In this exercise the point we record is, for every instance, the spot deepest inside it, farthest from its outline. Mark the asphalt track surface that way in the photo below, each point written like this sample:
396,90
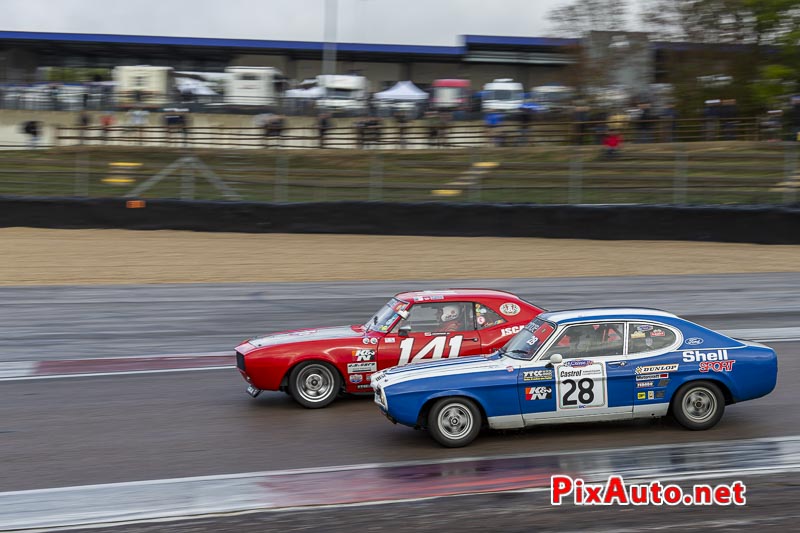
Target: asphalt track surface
42,323
78,431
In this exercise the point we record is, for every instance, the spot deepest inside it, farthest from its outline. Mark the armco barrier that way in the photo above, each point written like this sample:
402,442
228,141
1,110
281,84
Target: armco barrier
756,224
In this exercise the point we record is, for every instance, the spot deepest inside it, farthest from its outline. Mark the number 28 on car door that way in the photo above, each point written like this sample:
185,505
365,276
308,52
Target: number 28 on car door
581,384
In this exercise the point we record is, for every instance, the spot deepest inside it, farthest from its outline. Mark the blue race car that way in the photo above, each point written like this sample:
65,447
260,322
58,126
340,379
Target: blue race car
581,366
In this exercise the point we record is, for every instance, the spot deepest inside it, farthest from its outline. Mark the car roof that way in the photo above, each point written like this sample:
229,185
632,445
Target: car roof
455,294
605,313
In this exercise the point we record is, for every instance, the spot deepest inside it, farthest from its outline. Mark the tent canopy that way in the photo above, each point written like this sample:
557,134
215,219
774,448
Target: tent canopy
403,91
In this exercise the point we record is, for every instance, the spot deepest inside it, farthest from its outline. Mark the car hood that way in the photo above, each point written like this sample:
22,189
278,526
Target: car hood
307,335
461,365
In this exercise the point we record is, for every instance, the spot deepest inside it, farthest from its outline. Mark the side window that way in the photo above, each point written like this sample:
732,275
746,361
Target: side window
440,317
486,317
589,340
646,337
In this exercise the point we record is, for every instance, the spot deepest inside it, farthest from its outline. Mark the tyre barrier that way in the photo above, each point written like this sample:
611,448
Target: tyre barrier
754,224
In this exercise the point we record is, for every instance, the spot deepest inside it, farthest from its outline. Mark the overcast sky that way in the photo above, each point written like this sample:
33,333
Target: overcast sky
428,22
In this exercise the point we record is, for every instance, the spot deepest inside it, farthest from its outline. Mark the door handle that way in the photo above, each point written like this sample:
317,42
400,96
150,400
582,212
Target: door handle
474,339
617,363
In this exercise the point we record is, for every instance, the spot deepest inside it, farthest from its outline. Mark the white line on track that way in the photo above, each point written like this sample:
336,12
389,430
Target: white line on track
165,500
125,373
25,370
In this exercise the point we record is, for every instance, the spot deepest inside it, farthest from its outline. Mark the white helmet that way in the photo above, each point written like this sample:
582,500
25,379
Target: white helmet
450,312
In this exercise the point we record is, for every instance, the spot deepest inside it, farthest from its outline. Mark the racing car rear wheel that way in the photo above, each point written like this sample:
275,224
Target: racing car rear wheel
698,405
314,384
454,422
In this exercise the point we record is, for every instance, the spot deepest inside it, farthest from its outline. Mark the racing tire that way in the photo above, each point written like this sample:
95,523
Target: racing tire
314,384
454,422
698,405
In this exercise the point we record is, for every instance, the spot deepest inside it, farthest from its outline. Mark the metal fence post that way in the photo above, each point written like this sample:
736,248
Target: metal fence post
790,178
679,181
187,182
576,177
476,186
280,193
81,171
376,178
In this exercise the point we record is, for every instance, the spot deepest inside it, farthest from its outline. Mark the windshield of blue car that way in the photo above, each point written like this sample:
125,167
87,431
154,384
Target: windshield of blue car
524,344
386,316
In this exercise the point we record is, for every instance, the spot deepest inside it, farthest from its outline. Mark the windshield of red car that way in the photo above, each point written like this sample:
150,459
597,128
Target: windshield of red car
524,344
386,316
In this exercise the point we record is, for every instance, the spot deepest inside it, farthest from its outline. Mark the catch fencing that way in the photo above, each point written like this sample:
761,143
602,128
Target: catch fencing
691,173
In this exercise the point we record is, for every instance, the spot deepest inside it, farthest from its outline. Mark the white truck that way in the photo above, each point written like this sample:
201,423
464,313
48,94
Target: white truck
552,98
256,86
502,95
342,92
144,85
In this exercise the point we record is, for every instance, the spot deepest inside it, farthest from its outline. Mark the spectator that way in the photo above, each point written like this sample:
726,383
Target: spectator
771,124
525,119
106,122
85,98
581,119
711,119
727,114
84,121
402,124
437,128
599,119
54,91
274,129
137,119
32,129
372,131
176,124
794,118
360,127
612,143
323,125
493,122
644,123
669,122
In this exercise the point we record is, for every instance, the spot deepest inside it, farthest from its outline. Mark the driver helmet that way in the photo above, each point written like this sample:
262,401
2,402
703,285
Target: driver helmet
450,313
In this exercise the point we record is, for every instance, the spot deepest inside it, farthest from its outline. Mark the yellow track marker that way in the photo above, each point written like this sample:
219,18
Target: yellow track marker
118,181
486,164
446,192
124,164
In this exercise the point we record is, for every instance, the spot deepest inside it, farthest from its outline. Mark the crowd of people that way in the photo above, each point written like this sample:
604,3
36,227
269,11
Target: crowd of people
586,125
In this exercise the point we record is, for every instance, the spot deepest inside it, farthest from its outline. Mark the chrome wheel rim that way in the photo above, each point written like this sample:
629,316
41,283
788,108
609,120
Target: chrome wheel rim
315,383
455,421
699,404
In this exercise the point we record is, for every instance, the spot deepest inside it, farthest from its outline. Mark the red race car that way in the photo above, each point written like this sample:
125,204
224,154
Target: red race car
314,365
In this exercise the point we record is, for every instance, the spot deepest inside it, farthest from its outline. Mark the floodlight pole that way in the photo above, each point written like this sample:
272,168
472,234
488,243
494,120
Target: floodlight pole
329,50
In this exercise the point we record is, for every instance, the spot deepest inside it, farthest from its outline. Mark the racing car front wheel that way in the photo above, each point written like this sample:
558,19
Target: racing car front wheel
698,405
454,422
314,384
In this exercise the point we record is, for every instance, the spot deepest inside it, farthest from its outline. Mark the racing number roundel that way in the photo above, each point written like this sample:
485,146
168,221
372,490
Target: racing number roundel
509,309
581,384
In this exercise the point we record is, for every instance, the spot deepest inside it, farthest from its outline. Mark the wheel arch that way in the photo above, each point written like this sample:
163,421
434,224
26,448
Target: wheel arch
723,387
309,359
422,417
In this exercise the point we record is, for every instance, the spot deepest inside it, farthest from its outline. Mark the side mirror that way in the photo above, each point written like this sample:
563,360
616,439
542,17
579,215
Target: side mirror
403,314
555,359
404,331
